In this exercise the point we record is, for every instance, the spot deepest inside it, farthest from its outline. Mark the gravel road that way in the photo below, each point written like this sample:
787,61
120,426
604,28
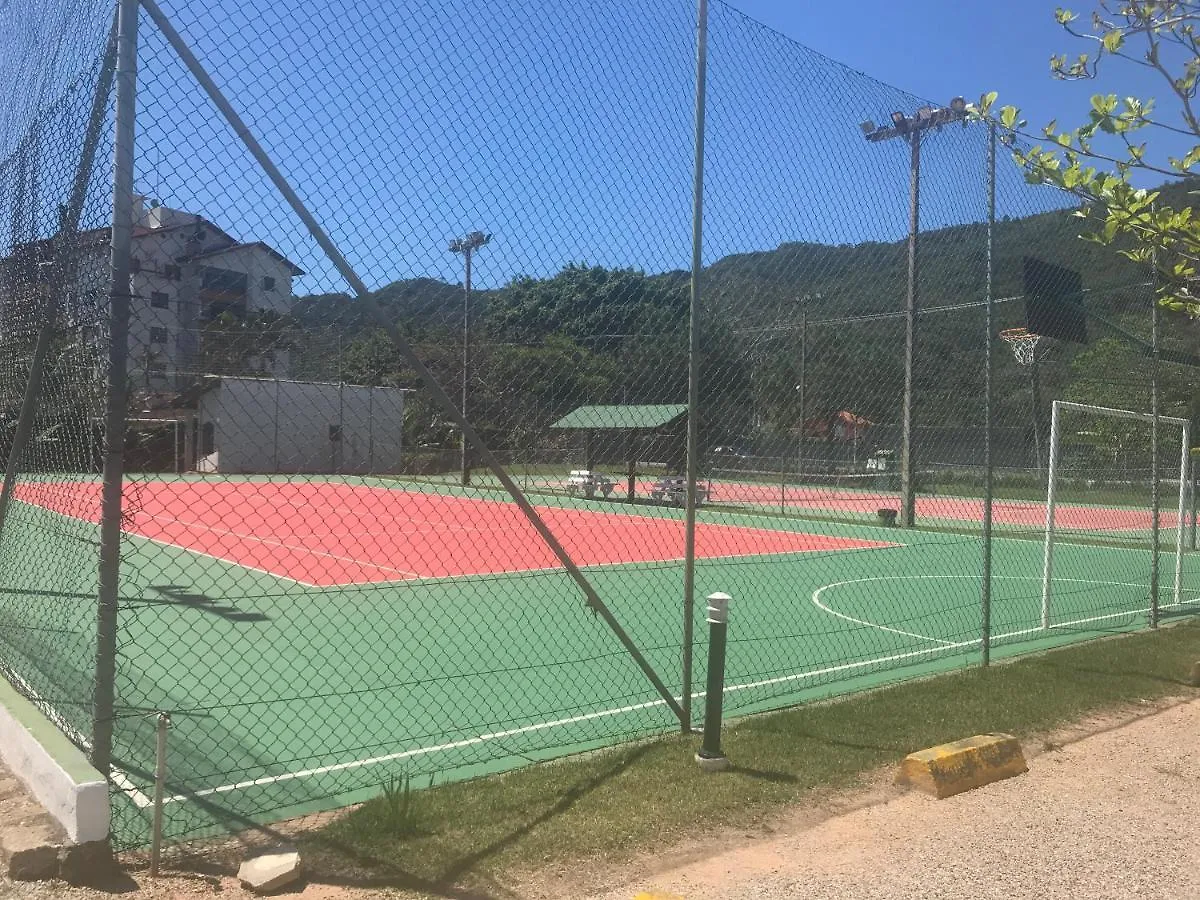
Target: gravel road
1109,816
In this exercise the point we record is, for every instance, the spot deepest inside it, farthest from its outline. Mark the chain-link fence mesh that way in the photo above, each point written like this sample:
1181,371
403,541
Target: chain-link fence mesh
326,587
55,200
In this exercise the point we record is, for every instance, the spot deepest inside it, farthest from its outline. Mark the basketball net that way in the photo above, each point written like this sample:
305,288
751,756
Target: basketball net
1023,343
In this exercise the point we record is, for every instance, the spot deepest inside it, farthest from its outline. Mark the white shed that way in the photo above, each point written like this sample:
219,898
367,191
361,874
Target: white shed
264,425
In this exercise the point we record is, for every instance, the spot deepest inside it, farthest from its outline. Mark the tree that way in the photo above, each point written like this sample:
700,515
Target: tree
602,307
1097,160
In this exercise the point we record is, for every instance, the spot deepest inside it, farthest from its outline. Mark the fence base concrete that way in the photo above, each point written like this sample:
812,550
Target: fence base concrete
56,772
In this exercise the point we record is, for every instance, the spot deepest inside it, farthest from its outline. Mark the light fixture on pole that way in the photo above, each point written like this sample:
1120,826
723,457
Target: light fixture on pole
912,129
467,246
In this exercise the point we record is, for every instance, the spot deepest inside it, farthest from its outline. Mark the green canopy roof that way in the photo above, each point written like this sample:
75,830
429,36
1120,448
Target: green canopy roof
647,416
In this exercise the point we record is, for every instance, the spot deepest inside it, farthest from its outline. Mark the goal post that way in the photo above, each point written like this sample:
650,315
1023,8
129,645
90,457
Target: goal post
1054,477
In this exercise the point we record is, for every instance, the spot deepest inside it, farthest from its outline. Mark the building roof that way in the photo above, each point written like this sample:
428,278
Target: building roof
95,237
199,222
622,416
295,269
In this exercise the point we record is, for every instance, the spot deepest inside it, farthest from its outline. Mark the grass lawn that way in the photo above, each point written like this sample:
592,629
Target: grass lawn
616,802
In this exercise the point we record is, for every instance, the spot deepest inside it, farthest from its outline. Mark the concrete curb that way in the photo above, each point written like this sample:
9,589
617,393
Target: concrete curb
56,772
950,769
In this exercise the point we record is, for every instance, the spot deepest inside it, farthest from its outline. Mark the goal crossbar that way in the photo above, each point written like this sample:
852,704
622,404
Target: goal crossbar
1052,485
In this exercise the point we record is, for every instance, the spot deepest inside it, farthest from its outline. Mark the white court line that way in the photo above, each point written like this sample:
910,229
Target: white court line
588,567
272,542
767,682
173,546
409,754
833,612
997,637
142,801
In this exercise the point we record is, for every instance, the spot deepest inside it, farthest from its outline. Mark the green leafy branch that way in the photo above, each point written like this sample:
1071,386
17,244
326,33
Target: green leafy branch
1096,160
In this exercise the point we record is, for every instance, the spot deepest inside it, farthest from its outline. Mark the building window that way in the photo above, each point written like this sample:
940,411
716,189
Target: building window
156,368
222,291
160,300
268,283
158,335
135,264
172,272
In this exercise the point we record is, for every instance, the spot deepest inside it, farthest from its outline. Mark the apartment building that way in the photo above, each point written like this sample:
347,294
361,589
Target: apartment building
192,284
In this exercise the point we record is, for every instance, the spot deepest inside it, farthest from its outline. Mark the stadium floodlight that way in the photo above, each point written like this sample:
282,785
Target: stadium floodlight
467,245
868,128
911,129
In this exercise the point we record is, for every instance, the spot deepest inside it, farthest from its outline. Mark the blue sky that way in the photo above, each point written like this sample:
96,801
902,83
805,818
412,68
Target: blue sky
938,48
566,128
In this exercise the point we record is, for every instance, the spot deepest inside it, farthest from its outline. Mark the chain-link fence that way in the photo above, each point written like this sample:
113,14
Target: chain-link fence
391,474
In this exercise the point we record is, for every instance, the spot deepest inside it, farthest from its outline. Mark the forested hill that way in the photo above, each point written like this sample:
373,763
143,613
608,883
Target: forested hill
592,335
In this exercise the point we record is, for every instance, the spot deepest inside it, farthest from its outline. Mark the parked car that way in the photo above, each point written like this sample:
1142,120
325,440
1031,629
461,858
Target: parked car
727,450
586,483
673,489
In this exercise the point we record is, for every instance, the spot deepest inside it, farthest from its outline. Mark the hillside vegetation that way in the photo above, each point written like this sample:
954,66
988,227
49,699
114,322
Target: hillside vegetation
542,346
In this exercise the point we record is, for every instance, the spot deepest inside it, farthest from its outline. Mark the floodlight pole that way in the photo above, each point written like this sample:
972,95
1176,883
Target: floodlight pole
911,129
802,387
467,246
800,399
908,501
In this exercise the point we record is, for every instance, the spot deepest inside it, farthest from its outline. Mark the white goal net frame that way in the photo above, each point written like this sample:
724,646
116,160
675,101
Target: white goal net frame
1052,485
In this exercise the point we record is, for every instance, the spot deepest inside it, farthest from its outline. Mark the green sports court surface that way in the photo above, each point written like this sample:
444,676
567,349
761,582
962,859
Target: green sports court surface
314,638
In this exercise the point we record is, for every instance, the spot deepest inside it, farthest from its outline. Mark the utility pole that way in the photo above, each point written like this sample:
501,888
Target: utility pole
911,129
802,386
467,246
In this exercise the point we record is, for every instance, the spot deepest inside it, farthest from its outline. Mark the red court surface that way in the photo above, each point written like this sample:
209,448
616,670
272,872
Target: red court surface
325,534
1022,513
1017,513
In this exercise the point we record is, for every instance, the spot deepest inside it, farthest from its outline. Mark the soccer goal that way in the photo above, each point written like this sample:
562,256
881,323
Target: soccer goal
1100,464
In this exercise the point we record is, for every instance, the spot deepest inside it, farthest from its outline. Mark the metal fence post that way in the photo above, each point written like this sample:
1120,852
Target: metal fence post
1155,498
908,501
1051,498
1184,492
160,784
693,415
985,639
118,358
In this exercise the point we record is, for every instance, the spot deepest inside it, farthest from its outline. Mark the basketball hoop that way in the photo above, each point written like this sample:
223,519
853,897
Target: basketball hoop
1023,343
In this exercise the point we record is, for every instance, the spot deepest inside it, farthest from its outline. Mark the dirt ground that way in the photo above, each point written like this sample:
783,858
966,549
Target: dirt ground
1107,810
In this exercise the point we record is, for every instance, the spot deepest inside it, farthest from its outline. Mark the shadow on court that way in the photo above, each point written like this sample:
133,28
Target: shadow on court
176,595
